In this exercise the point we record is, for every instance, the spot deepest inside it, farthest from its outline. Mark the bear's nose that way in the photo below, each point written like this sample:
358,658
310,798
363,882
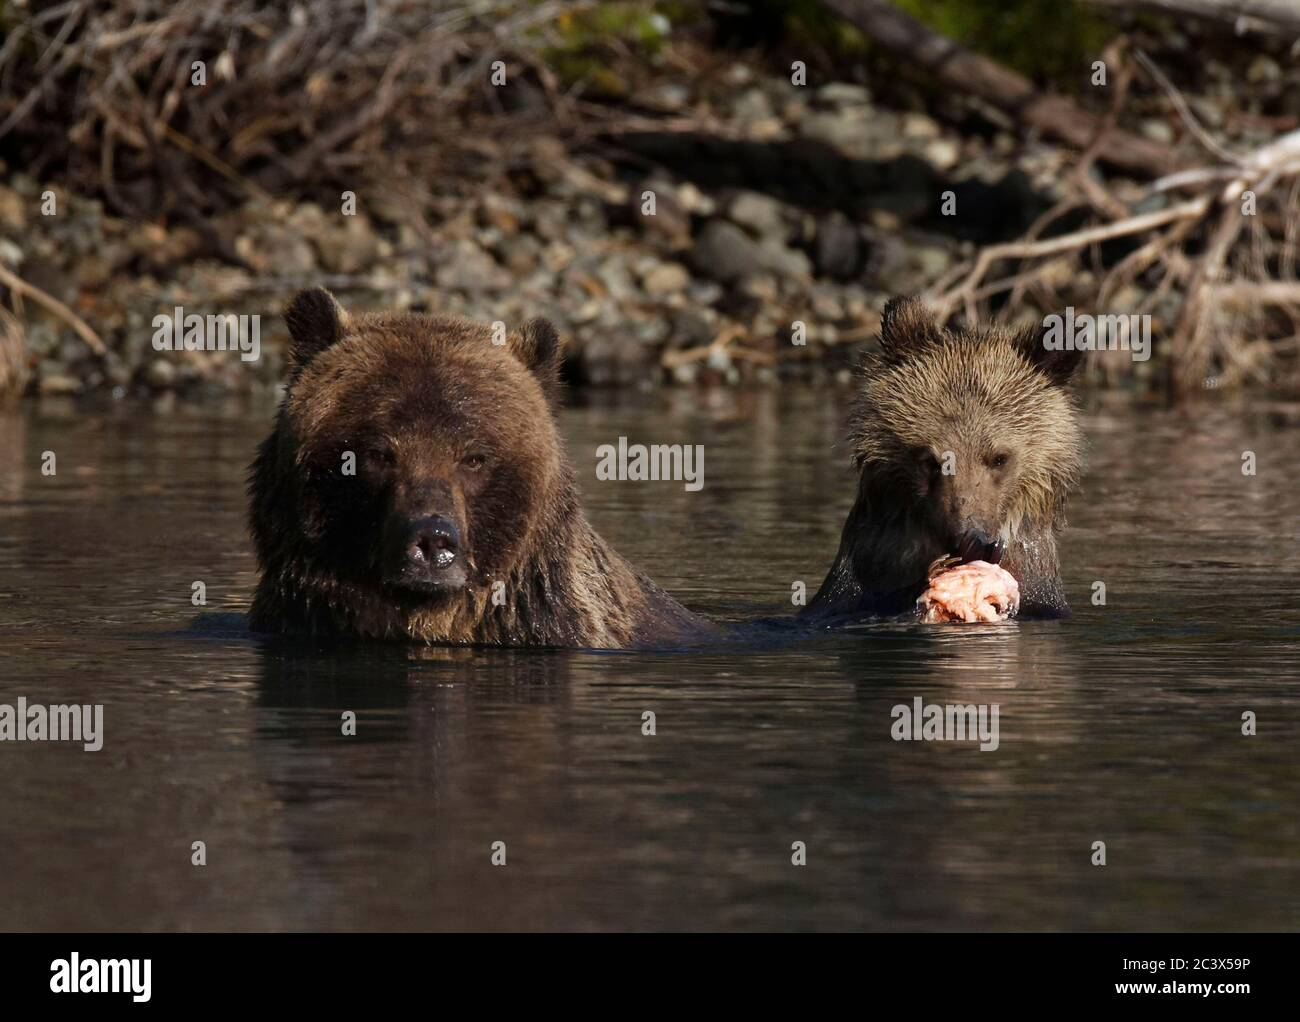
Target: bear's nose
432,542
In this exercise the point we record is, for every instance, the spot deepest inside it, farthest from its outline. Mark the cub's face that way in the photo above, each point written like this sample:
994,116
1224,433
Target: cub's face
975,430
426,456
967,489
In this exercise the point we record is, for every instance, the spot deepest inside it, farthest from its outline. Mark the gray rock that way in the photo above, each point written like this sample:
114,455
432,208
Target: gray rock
521,253
752,105
344,244
919,125
738,74
837,250
551,220
704,292
725,253
1157,130
267,243
692,200
943,153
651,332
847,130
617,279
784,261
671,218
841,94
466,267
761,287
557,256
666,279
669,97
686,373
826,305
761,214
160,373
690,328
931,261
1208,111
1263,69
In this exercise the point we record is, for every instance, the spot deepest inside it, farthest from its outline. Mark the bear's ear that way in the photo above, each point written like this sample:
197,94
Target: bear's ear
537,345
906,326
1046,354
316,320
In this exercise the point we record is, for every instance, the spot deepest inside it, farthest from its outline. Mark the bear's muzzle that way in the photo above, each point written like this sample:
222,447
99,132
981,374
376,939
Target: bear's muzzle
429,558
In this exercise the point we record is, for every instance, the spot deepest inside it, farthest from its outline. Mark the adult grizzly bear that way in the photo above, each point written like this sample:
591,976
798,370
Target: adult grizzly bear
415,487
967,443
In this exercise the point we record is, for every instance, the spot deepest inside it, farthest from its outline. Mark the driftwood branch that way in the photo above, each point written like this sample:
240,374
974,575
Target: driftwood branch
20,287
1203,252
945,303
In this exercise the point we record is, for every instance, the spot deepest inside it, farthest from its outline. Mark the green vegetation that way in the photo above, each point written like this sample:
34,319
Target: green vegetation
586,44
1046,39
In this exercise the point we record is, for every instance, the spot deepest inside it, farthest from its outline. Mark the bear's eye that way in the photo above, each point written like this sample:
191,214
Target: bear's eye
382,457
473,462
999,460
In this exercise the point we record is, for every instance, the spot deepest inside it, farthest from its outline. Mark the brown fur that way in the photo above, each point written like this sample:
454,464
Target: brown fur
410,395
982,395
13,359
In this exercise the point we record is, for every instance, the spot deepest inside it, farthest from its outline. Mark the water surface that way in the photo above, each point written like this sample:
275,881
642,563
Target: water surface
1121,724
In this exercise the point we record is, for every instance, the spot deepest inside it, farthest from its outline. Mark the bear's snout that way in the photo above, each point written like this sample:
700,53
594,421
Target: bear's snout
433,540
429,555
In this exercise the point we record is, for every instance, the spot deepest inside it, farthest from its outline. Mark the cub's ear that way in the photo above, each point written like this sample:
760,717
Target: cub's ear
316,320
537,345
906,326
1043,346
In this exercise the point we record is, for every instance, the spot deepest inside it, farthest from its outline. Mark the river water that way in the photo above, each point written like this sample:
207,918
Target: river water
1122,724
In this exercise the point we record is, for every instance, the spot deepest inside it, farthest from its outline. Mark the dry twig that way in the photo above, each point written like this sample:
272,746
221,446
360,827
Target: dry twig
20,287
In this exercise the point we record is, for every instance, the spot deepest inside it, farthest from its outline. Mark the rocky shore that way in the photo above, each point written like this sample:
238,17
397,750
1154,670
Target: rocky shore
650,277
740,229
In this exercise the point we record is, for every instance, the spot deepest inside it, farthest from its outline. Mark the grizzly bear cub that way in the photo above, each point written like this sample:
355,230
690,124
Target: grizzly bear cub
415,487
967,443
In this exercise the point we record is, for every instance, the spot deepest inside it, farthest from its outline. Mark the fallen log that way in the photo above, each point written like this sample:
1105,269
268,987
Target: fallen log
1272,17
1054,116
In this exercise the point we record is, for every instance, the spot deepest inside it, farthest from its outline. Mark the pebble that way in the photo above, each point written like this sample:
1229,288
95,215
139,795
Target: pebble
666,279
